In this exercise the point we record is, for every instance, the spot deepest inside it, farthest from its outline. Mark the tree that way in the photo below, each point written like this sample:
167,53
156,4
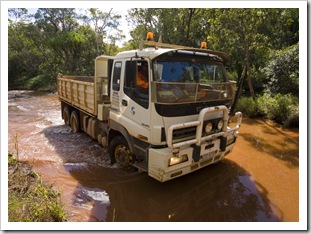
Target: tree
61,40
283,71
184,26
18,14
24,55
104,23
249,35
60,34
239,31
56,40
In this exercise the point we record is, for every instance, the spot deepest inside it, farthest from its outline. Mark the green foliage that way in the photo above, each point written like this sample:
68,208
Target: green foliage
61,40
24,55
55,40
42,83
184,26
283,71
248,106
246,34
30,200
280,108
11,159
232,75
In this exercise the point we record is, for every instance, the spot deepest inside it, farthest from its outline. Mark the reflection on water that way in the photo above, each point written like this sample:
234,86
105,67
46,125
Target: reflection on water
94,191
223,193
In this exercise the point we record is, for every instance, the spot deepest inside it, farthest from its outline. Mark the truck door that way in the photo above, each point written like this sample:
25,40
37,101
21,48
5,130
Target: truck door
135,101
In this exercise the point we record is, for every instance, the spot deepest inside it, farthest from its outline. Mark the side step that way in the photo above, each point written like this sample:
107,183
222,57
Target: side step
141,166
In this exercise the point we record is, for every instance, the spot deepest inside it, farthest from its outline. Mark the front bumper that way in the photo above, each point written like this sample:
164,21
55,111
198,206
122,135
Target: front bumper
200,151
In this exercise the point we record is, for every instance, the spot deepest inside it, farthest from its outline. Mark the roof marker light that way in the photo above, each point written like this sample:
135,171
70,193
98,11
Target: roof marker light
203,45
149,36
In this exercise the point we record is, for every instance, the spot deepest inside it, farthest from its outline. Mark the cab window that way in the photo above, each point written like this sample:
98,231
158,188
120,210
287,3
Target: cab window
136,82
116,76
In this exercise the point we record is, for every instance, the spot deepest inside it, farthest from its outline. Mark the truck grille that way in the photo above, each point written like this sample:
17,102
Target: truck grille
184,133
190,132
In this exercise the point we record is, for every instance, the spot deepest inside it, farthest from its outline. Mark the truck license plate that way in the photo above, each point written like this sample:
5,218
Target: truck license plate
208,156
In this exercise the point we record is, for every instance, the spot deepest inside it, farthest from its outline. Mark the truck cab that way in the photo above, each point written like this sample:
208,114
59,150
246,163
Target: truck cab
179,122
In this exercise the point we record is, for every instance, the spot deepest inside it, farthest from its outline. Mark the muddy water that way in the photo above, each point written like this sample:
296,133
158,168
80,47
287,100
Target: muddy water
257,182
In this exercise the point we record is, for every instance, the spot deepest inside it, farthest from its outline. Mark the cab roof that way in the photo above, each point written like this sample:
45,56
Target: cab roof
156,49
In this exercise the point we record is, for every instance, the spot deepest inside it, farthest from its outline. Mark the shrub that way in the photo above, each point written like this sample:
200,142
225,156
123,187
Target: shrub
280,108
268,106
248,106
41,83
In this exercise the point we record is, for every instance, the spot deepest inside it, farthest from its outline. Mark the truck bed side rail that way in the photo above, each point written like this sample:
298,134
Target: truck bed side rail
77,91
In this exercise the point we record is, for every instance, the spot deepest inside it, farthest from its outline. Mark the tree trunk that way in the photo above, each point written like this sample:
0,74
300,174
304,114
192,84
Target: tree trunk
248,69
238,93
191,13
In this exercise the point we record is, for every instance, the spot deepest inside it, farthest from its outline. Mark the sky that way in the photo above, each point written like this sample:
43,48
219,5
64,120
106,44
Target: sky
124,26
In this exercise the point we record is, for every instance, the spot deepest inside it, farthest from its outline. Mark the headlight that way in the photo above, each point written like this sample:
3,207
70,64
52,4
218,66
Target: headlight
220,124
208,127
175,159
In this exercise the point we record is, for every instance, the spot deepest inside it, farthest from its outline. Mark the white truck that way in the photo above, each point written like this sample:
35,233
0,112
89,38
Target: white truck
174,125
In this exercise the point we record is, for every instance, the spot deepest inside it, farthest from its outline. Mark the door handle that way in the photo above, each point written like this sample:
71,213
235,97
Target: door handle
124,102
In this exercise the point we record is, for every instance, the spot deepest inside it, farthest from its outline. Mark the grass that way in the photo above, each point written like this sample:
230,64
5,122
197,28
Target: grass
29,198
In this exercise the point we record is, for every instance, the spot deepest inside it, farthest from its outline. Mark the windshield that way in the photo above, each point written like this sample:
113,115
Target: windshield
193,72
190,81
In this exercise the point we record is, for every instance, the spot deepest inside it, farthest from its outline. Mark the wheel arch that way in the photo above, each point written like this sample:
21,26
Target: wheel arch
116,129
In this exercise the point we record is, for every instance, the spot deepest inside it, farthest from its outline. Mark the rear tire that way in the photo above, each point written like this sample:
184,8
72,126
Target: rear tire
120,153
66,115
74,122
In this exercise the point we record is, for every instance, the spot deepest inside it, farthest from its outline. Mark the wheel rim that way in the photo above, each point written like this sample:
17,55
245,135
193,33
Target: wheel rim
123,156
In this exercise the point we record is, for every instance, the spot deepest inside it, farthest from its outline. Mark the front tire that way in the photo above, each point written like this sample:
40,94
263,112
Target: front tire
120,153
